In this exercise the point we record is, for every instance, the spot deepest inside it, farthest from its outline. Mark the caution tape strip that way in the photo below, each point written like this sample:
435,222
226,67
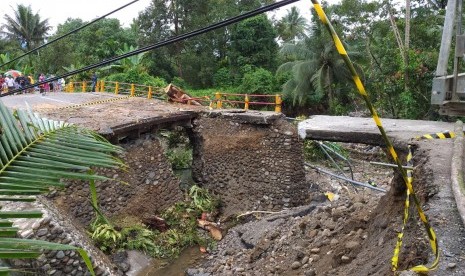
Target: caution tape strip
400,235
432,237
361,90
93,103
439,135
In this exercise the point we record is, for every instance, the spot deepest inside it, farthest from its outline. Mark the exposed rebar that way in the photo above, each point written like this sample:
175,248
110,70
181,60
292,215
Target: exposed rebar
346,179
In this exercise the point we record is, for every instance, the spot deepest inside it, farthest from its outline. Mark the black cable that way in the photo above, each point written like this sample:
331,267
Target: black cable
70,33
164,43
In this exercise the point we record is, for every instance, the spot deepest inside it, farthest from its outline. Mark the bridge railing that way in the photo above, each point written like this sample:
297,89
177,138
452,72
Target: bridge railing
247,100
78,86
121,88
219,100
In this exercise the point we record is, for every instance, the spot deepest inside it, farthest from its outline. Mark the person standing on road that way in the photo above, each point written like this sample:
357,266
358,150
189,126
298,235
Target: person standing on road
3,86
94,81
42,86
10,82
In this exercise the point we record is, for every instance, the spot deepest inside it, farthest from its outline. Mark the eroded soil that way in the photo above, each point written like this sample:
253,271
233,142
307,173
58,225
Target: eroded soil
352,235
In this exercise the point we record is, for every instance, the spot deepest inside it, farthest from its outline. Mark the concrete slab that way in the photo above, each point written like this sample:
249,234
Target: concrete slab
246,116
364,130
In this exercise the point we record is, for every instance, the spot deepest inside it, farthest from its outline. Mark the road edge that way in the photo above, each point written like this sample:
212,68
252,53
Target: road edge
457,180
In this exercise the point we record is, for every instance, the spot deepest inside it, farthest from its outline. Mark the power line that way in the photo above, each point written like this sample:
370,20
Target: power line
169,41
70,33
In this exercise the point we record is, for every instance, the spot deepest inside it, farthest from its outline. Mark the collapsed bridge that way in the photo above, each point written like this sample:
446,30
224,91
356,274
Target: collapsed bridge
253,160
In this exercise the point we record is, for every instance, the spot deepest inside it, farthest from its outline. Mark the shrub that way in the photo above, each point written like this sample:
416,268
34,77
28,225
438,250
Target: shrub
133,76
180,158
223,78
180,82
258,81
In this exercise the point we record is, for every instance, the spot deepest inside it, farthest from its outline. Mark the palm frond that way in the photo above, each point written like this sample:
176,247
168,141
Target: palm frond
286,67
36,154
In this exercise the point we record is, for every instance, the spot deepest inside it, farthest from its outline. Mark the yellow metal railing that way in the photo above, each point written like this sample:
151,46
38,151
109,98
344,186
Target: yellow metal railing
219,100
248,100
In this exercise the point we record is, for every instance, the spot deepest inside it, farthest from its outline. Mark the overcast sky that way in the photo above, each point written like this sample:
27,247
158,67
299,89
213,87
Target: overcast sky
57,11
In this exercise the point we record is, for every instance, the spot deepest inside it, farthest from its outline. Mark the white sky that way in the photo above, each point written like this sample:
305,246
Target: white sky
57,11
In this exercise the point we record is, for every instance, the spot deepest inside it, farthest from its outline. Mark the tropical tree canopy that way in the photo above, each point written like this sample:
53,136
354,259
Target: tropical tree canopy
319,75
292,26
26,27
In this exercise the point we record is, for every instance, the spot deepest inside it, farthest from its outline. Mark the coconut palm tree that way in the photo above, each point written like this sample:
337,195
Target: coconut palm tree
319,74
292,26
26,27
35,155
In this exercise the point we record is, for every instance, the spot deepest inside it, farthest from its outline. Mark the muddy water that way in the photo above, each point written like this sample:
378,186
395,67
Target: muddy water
188,258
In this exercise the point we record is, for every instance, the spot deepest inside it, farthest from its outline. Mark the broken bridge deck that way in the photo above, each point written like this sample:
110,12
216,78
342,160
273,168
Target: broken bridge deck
364,130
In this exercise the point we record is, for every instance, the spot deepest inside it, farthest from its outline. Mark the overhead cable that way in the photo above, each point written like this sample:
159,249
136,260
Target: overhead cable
169,41
70,33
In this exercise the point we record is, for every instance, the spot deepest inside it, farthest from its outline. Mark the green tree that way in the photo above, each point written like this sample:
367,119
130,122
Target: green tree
99,41
26,27
258,81
197,59
253,43
292,26
319,75
386,77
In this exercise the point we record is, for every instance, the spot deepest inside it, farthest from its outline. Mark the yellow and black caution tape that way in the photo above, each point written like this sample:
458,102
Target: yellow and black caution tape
400,235
439,135
361,89
431,235
94,102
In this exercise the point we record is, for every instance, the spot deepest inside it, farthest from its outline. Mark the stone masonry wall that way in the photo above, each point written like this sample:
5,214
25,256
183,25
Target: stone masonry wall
251,165
54,227
151,187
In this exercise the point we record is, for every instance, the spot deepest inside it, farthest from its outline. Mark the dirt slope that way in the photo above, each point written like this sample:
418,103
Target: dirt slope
353,235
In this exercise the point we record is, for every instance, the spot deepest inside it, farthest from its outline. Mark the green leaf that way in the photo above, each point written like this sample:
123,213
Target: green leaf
35,154
18,198
11,254
20,214
6,223
8,231
20,192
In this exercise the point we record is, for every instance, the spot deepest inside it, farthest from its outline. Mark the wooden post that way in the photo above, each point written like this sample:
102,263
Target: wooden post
116,87
149,96
246,102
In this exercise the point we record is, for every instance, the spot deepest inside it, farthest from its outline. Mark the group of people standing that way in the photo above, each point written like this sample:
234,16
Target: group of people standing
9,83
54,86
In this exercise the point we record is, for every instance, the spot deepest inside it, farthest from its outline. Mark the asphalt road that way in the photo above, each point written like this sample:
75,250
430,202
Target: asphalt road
53,99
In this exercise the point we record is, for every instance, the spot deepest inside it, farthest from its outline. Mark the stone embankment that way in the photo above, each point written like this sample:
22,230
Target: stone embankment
150,185
252,160
55,227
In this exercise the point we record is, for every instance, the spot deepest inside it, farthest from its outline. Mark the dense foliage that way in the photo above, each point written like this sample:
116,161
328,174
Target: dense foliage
292,55
176,228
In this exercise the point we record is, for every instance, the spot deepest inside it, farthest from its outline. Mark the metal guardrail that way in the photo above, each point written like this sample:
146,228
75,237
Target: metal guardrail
248,100
219,100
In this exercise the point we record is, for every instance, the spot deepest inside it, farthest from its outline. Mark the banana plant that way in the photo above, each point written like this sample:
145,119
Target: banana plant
37,154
